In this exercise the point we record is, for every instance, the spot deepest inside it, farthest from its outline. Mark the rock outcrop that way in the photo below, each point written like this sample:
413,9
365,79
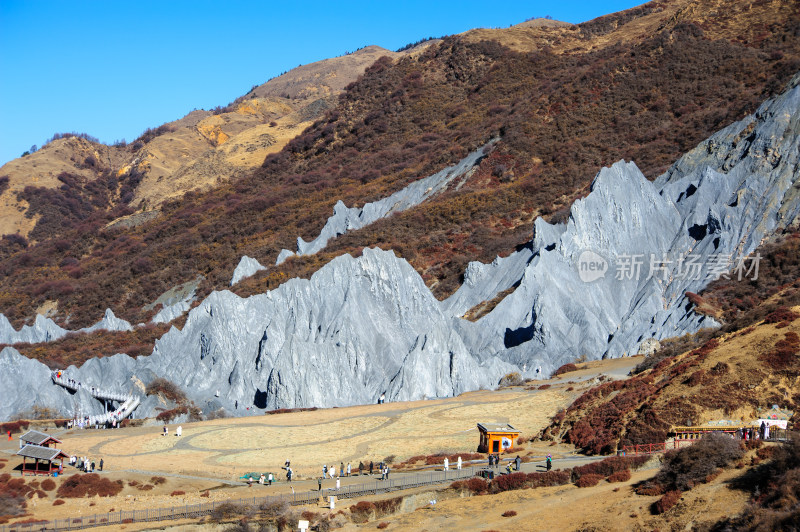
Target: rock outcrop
246,267
346,219
46,330
357,328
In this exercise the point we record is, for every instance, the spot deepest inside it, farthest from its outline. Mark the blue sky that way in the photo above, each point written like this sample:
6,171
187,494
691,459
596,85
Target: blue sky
112,69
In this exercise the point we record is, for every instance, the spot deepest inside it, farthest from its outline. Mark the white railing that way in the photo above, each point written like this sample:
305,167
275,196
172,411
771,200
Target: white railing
127,402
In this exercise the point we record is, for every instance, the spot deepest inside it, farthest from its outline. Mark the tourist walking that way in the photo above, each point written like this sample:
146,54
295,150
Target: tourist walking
549,462
370,468
446,464
458,465
348,469
517,462
325,471
270,478
341,469
101,464
179,431
360,468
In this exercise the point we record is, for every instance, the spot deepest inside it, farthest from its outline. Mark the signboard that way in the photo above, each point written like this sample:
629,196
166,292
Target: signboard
779,423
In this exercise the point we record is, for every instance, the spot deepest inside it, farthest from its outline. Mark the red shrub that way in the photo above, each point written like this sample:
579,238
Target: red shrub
362,511
781,314
475,485
548,478
90,484
609,466
620,476
696,377
666,502
58,502
509,513
509,482
176,493
586,481
649,489
566,368
382,525
48,484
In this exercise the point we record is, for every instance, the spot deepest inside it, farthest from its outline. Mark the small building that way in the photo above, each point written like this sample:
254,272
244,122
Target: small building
496,437
34,437
43,460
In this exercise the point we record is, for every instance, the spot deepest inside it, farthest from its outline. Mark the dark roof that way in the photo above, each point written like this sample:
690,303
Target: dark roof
37,438
42,453
497,427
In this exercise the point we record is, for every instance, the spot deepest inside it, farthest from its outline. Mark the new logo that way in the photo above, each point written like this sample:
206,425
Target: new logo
591,266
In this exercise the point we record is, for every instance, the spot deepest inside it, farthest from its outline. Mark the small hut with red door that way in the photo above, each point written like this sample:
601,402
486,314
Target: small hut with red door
496,437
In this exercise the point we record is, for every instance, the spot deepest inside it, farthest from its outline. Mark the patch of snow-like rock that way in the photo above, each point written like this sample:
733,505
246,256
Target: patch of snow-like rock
247,266
42,330
346,219
109,323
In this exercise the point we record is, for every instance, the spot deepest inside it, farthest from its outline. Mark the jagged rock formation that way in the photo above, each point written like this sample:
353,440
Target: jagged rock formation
704,216
246,267
46,330
110,323
346,219
357,328
364,326
42,330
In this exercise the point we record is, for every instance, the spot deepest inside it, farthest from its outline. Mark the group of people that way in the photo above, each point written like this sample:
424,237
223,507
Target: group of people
447,464
752,433
512,465
178,431
84,422
84,464
343,471
331,472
